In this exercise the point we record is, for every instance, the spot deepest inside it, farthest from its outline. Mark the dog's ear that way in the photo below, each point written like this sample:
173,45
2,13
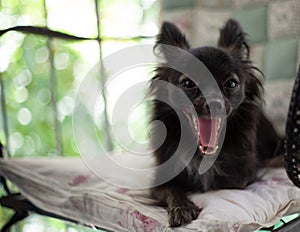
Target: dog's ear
233,38
170,35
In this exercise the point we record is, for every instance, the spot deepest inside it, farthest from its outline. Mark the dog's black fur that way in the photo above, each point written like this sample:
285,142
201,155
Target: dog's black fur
250,138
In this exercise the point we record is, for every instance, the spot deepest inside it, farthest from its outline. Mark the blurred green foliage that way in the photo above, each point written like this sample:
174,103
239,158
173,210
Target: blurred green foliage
28,96
25,65
25,69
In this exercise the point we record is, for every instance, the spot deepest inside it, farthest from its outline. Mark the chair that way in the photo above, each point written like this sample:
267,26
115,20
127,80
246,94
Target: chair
292,142
118,209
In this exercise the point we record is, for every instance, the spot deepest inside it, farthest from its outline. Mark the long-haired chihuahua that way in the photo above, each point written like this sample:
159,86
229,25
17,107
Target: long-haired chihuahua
234,109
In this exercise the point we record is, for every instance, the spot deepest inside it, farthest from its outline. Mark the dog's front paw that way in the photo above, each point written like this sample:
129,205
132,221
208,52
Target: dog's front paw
183,215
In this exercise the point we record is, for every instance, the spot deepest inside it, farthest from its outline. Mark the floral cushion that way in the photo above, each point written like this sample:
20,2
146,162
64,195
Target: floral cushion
66,187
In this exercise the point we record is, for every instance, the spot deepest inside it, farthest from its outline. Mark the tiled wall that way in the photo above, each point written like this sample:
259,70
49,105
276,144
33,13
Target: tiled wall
273,27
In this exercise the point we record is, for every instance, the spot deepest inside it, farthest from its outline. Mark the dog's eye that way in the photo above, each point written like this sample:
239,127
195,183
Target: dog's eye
188,83
231,83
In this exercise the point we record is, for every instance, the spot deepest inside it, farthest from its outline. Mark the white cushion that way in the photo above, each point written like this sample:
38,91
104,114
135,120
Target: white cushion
65,186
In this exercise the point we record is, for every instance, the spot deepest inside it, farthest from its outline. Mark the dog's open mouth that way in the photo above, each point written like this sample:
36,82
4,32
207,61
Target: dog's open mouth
208,134
207,131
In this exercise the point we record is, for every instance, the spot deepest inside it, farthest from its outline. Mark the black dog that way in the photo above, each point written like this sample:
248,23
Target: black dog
249,136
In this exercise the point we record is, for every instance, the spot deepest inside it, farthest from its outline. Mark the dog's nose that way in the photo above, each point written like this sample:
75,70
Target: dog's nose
215,106
210,106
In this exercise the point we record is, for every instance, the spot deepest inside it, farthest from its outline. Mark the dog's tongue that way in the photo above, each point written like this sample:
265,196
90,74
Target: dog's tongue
208,132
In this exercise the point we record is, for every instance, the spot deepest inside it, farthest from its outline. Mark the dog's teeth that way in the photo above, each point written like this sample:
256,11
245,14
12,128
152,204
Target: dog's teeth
216,148
195,121
205,150
219,124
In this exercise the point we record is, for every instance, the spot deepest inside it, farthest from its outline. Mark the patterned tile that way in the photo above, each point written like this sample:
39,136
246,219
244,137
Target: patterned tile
214,3
182,18
207,25
277,97
246,3
253,21
173,4
273,27
283,18
298,56
280,59
257,55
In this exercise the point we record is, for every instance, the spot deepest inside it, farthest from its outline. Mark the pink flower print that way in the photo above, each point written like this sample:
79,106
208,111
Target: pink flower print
122,190
78,180
149,224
